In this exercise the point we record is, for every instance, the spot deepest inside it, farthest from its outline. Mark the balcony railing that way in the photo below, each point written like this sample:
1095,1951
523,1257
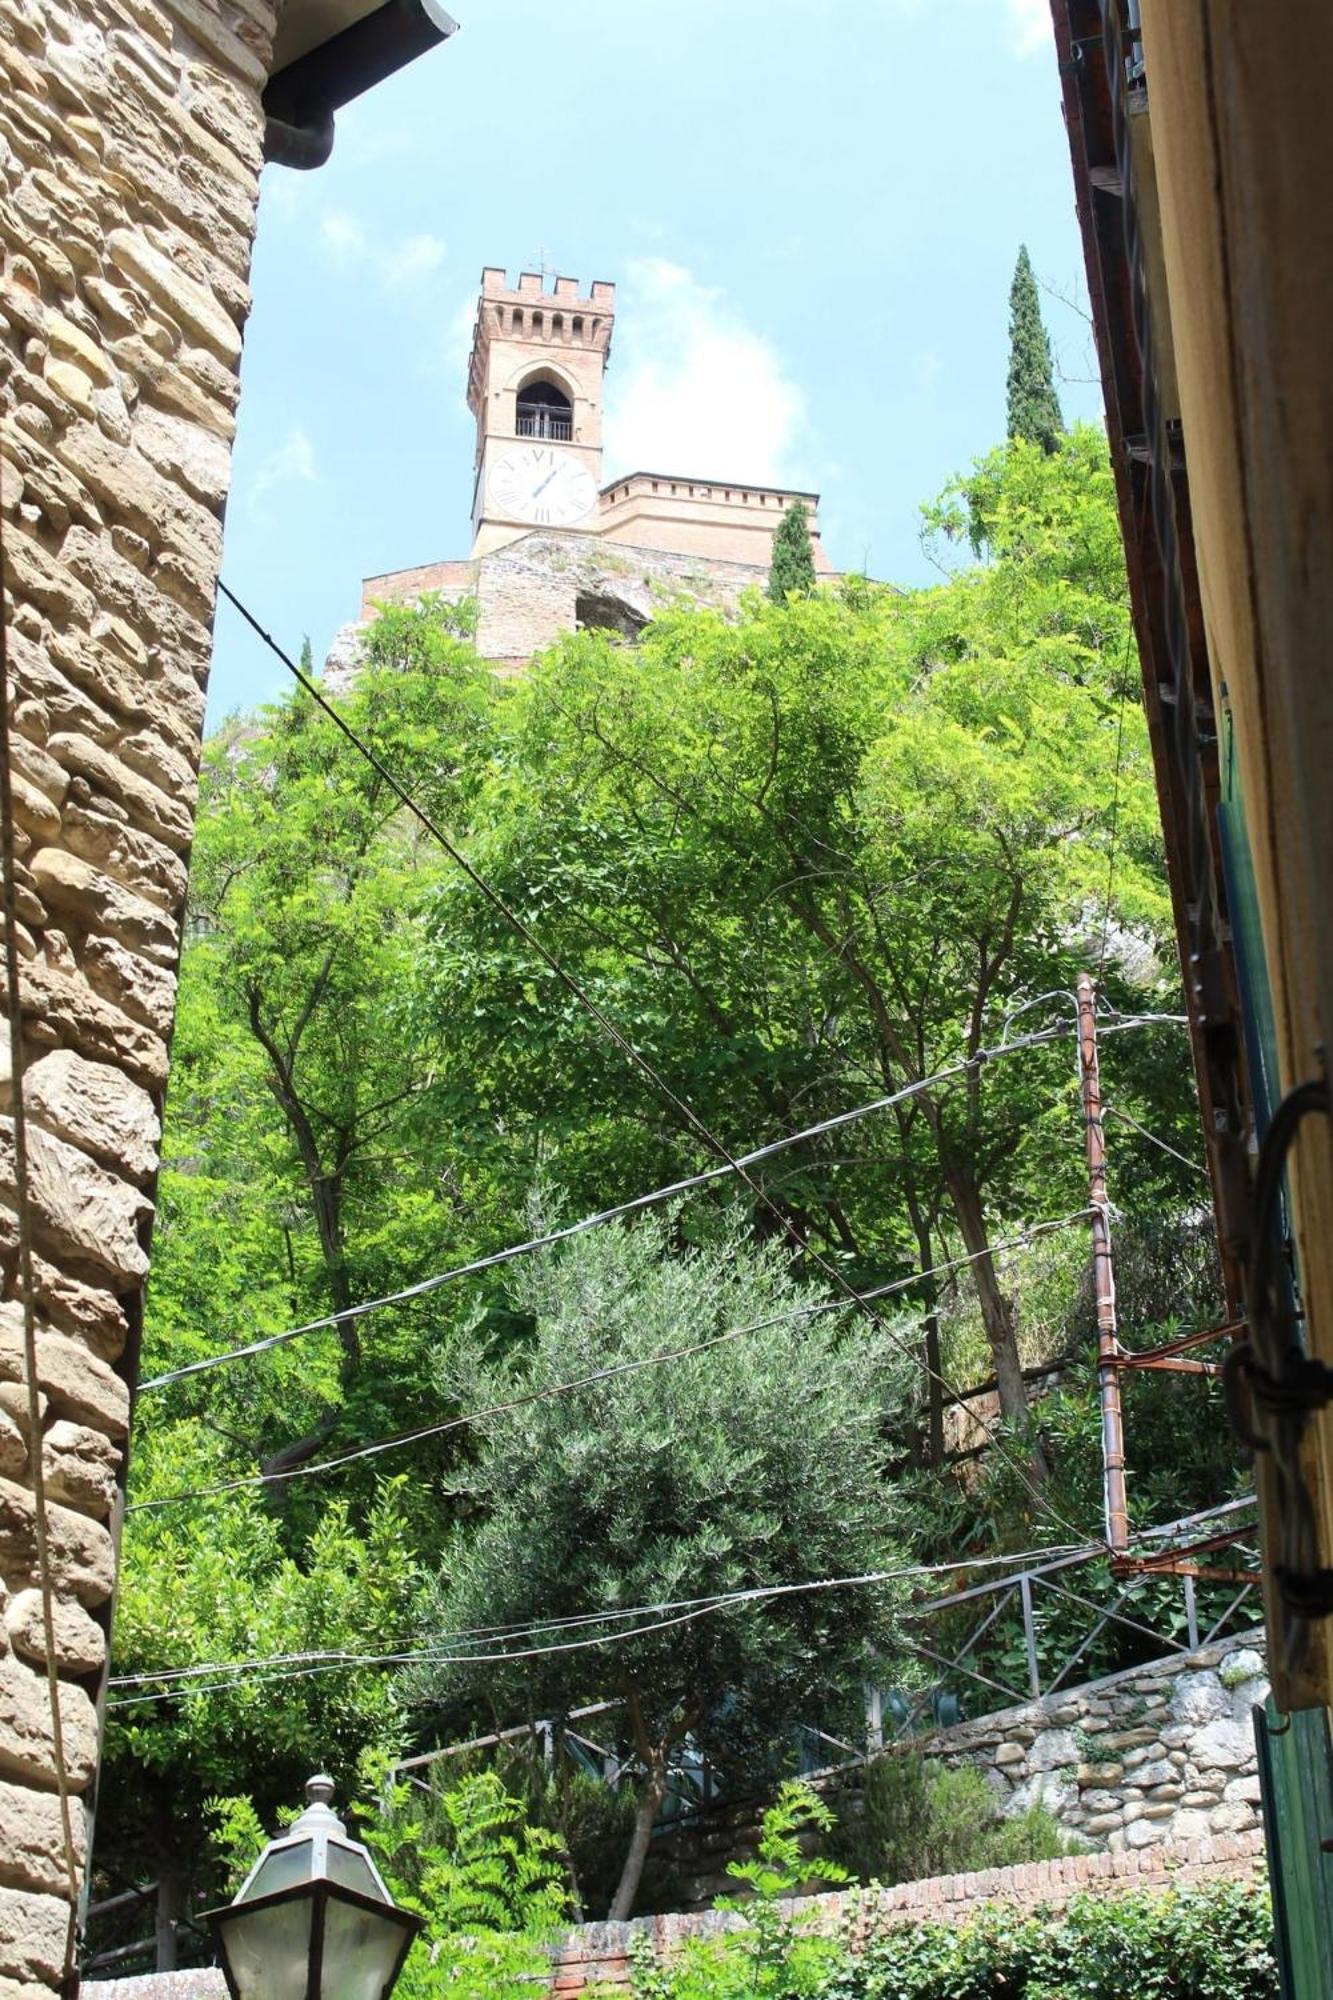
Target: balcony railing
555,424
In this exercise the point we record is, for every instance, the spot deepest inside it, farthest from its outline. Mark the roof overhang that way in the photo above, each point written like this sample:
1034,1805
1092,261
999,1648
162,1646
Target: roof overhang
329,51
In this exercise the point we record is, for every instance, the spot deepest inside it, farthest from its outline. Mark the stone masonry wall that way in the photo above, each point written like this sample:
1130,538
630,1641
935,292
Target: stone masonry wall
130,138
1158,1755
528,592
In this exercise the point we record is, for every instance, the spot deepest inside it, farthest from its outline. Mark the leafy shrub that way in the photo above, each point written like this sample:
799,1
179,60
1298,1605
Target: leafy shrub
1213,1942
917,1820
491,1888
775,1956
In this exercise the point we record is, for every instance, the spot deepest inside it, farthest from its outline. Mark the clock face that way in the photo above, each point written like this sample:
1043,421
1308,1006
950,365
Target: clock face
534,482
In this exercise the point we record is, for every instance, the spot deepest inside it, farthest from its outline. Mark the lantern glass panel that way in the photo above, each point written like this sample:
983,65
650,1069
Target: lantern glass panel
361,1949
268,1949
351,1870
282,1868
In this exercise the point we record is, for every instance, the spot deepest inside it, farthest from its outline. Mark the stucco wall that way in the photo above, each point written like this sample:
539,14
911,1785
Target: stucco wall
129,163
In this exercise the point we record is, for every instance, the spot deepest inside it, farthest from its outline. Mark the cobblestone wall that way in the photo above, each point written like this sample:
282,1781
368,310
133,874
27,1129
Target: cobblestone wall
129,161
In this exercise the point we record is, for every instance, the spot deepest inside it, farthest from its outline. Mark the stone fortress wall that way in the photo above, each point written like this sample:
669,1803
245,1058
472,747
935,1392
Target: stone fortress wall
545,583
130,135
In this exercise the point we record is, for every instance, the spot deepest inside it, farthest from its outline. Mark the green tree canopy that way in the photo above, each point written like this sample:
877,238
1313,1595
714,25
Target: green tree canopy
755,1463
793,567
823,852
1034,407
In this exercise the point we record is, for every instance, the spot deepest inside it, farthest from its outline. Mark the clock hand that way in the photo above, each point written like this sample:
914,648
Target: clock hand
545,483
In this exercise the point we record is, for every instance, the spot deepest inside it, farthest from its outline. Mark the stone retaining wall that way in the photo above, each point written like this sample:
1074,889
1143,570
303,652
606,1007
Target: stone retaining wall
130,135
1160,1753
1163,1752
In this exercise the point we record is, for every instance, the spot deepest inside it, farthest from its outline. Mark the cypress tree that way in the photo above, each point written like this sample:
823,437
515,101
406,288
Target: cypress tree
1034,407
793,565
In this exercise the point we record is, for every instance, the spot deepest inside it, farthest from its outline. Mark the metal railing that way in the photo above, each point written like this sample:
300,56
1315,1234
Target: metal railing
539,423
1012,1638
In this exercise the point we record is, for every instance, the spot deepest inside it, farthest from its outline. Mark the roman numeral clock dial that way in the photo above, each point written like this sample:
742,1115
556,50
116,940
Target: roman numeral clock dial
534,483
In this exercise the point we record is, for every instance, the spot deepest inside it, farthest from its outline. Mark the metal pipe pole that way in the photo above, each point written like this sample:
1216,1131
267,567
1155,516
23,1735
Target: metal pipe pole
1103,1276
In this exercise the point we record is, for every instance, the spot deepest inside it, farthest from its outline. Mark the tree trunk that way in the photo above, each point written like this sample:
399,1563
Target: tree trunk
170,1909
996,1313
645,1818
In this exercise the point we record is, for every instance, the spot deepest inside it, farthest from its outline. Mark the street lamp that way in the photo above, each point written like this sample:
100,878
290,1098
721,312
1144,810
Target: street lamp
313,1919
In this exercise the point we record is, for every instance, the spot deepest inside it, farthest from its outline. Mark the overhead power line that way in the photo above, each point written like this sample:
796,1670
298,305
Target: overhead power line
814,1310
1114,1111
621,1040
665,1614
550,1237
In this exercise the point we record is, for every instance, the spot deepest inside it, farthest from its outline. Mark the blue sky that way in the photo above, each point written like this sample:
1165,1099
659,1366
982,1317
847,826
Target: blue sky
810,208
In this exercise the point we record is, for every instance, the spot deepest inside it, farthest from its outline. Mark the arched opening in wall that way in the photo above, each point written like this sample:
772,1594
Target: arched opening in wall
544,411
601,612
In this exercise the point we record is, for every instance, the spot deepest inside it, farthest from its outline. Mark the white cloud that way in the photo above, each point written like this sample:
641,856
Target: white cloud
342,237
693,388
291,463
412,261
1029,26
404,265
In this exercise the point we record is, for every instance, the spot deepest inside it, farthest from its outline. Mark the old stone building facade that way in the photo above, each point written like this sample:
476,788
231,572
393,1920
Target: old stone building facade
130,151
554,548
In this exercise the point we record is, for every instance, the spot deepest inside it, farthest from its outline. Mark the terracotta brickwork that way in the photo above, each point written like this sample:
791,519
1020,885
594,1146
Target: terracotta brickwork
130,138
596,1954
600,1954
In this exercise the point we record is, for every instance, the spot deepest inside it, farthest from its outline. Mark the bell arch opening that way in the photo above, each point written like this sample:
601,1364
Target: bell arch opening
544,411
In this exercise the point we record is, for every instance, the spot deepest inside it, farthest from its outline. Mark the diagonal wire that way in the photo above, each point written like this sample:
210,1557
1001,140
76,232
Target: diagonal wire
497,1258
622,1041
633,1367
1114,1111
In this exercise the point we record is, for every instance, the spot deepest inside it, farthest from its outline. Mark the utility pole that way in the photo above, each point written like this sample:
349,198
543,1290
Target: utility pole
1103,1276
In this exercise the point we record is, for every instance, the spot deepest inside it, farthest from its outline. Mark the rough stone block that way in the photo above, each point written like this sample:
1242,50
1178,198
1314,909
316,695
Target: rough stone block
187,302
148,807
80,1467
77,1385
27,1741
32,1937
80,1210
1222,1745
81,1552
141,863
97,1108
96,902
32,1840
80,1642
1198,1698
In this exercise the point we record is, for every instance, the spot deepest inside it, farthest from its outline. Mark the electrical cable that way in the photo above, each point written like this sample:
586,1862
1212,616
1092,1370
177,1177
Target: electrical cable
379,1445
23,1204
665,1616
618,1036
497,1258
1115,809
1114,1111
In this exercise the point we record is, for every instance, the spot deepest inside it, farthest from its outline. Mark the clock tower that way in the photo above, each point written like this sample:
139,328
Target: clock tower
535,389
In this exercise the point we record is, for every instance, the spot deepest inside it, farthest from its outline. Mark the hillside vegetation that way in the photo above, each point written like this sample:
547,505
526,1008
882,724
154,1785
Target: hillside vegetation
786,866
